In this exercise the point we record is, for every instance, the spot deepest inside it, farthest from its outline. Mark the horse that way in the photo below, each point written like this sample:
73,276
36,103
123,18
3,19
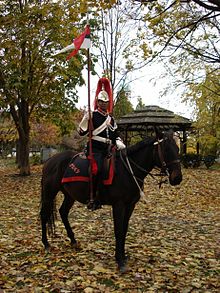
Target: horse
132,165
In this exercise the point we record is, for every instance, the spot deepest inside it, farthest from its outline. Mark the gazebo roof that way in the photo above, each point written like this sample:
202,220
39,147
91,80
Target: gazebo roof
151,116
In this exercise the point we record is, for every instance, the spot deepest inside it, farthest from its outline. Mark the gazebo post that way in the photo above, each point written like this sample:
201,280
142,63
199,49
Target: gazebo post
126,136
184,142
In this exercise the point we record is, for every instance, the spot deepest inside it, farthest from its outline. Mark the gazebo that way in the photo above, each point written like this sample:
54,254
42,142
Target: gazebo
143,122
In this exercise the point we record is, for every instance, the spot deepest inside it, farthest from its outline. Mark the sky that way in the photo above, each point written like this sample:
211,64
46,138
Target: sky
143,86
142,83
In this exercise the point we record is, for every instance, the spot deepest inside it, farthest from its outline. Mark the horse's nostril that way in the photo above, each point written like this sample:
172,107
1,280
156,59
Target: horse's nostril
175,179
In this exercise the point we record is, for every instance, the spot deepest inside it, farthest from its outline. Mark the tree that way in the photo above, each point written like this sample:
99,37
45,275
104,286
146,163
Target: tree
181,33
184,35
182,25
8,135
140,104
44,133
212,5
121,49
31,81
123,106
207,98
74,140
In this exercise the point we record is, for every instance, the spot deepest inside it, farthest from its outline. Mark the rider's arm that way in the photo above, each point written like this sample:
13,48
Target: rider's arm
120,144
84,125
118,141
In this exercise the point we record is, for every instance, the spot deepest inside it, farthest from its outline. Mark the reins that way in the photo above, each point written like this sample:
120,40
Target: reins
130,170
163,170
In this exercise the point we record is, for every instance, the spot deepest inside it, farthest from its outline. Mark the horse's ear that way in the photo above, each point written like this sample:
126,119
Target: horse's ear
170,133
159,134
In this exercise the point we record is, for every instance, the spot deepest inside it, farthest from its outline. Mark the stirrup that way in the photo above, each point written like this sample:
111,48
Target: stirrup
94,205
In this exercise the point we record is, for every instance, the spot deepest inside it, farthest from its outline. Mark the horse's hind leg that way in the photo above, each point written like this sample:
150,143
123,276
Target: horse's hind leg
47,214
64,211
44,221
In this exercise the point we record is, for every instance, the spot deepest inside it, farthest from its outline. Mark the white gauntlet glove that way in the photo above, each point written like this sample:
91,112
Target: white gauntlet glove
119,144
83,125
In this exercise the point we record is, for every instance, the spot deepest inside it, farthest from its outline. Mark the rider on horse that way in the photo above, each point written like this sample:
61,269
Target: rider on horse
104,136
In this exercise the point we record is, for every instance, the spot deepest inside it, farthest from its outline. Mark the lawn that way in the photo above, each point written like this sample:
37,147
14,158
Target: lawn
173,240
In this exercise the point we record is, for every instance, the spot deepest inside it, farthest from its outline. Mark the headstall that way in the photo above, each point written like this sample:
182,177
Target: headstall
163,170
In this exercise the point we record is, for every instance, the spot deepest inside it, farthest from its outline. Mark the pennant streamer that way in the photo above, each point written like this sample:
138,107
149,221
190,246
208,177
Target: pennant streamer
83,39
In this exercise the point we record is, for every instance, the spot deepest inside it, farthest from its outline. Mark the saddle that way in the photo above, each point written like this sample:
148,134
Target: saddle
79,167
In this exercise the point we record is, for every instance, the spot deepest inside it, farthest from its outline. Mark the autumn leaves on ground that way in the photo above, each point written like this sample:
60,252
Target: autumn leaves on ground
172,240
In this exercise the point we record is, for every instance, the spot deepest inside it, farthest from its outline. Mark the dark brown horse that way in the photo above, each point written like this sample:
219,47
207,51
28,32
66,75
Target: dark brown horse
131,167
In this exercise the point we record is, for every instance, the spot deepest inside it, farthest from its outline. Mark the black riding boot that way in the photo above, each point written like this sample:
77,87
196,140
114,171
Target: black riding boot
95,204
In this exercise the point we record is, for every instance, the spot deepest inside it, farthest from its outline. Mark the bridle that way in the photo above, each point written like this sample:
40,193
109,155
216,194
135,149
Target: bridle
164,165
163,169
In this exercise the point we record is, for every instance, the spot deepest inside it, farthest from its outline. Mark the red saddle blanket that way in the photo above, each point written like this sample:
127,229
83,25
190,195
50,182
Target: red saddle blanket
79,166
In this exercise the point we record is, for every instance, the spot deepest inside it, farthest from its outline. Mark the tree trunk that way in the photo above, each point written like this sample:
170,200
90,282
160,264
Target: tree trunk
17,153
21,119
23,155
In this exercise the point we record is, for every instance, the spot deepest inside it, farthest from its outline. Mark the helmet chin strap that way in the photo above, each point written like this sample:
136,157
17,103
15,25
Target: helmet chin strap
104,112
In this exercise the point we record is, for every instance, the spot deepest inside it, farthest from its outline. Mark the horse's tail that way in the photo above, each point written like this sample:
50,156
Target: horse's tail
48,211
52,175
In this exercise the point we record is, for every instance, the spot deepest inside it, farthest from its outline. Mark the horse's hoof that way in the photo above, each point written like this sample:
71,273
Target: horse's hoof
127,257
122,265
76,246
123,269
47,248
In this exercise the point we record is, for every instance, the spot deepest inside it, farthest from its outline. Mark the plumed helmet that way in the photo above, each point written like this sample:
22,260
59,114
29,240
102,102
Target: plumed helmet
103,96
104,93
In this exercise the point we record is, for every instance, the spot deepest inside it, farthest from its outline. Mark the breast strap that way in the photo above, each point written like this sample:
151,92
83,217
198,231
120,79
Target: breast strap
102,126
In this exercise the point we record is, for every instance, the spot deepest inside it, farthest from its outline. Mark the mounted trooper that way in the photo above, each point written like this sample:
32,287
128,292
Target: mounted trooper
104,136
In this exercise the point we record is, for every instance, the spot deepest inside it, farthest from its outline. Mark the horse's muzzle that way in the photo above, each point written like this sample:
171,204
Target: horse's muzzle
175,177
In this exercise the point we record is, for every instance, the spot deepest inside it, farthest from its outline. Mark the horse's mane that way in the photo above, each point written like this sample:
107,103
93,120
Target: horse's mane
140,145
63,157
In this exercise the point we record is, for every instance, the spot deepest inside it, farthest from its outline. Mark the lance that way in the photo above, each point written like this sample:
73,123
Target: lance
83,42
91,158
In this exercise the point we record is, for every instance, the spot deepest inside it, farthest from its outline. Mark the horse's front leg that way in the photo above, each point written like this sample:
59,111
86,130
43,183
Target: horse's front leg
128,212
119,212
